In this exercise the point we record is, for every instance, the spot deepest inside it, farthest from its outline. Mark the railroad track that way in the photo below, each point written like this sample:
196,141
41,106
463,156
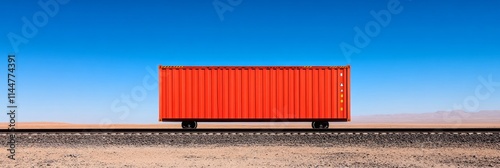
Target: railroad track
137,131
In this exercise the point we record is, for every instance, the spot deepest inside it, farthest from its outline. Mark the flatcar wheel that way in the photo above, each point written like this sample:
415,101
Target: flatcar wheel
185,124
189,125
324,125
320,125
315,125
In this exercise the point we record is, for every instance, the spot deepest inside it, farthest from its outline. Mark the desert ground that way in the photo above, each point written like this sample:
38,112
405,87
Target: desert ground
254,156
267,150
347,150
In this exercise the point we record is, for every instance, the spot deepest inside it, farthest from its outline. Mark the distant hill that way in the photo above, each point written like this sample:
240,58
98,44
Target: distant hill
441,117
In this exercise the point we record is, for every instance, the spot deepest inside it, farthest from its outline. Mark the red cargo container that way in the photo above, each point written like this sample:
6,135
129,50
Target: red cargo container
246,93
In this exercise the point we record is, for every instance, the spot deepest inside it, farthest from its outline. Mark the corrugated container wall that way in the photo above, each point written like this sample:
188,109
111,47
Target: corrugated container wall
254,93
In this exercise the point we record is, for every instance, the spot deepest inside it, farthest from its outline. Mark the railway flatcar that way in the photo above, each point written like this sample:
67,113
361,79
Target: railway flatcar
316,94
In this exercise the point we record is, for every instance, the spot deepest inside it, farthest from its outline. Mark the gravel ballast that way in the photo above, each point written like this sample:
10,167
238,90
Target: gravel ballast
370,140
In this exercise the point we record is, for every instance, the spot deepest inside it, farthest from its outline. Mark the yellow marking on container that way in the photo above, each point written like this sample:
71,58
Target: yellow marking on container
342,101
342,109
341,95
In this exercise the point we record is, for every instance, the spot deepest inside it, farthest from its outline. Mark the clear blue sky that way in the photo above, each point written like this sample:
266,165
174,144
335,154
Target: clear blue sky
79,63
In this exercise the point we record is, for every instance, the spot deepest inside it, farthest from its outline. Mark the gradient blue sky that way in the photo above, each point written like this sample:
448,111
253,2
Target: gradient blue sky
77,67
